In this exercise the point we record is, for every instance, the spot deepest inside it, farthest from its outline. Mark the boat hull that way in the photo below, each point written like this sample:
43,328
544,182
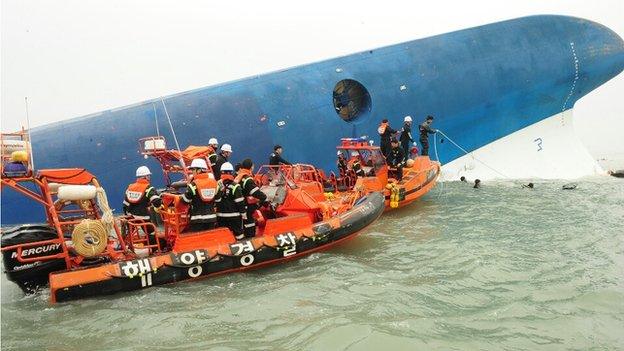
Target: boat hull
190,261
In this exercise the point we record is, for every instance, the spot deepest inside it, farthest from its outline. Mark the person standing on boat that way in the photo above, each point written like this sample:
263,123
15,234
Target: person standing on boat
276,159
213,143
385,132
342,164
200,194
355,164
425,130
223,157
141,195
254,197
406,136
231,208
141,198
396,159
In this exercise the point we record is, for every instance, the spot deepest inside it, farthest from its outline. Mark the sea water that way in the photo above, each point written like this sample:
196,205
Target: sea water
499,267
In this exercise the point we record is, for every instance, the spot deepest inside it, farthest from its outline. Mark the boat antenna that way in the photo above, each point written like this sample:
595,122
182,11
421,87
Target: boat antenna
30,151
173,132
156,119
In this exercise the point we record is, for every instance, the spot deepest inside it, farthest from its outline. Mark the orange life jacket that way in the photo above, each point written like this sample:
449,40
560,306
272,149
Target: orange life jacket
241,173
382,128
206,186
136,190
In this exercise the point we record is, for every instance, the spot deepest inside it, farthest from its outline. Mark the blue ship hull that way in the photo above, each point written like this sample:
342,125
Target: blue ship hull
482,84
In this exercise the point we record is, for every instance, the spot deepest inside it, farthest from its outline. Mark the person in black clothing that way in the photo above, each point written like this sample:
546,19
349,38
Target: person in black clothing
276,157
463,179
223,157
425,130
396,159
477,183
342,164
200,194
406,136
141,199
212,157
254,197
356,164
385,132
231,208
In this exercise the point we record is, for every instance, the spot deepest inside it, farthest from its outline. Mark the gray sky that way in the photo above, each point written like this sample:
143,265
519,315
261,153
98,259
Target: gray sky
77,57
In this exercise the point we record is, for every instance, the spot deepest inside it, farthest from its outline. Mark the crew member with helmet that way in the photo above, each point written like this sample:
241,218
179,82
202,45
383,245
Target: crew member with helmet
140,197
276,159
201,194
342,164
355,165
254,197
396,158
213,143
406,136
231,208
223,157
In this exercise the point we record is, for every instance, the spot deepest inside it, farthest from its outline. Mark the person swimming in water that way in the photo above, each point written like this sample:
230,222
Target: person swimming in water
477,184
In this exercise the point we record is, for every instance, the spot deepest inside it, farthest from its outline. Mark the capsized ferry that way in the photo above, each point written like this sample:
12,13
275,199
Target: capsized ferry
504,92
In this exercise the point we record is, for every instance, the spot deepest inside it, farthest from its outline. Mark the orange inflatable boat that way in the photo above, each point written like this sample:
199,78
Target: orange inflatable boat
420,174
83,251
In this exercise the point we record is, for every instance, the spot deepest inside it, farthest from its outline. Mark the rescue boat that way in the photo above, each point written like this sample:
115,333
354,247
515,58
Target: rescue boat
83,251
420,174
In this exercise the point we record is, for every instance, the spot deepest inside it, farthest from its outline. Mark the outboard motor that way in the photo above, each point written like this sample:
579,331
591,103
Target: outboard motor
32,275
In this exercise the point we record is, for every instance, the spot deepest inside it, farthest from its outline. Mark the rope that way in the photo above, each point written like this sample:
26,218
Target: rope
89,237
468,153
107,213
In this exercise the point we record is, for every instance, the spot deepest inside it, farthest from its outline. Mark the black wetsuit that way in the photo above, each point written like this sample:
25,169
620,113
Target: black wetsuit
276,159
406,139
425,130
385,140
396,159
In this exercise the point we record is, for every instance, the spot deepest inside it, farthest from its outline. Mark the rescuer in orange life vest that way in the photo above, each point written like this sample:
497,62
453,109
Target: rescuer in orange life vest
385,133
254,197
201,194
230,202
140,197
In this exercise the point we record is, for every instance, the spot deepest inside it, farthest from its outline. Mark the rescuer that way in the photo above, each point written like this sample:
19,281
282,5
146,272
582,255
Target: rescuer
231,208
254,197
201,194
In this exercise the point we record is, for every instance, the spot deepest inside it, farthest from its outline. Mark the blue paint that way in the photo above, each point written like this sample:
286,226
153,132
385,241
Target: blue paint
481,84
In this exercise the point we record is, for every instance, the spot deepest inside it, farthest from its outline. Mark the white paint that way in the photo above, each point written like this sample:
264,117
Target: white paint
548,149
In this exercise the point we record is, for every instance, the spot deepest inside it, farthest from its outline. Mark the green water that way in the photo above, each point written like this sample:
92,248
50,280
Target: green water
463,269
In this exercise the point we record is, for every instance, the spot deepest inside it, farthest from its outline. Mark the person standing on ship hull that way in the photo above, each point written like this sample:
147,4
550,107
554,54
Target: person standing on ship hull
141,197
252,193
385,133
231,208
200,194
425,129
406,136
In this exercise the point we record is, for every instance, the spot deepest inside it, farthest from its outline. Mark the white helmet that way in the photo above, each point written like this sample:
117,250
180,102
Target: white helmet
407,119
213,141
226,147
143,171
227,167
355,153
199,163
338,153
